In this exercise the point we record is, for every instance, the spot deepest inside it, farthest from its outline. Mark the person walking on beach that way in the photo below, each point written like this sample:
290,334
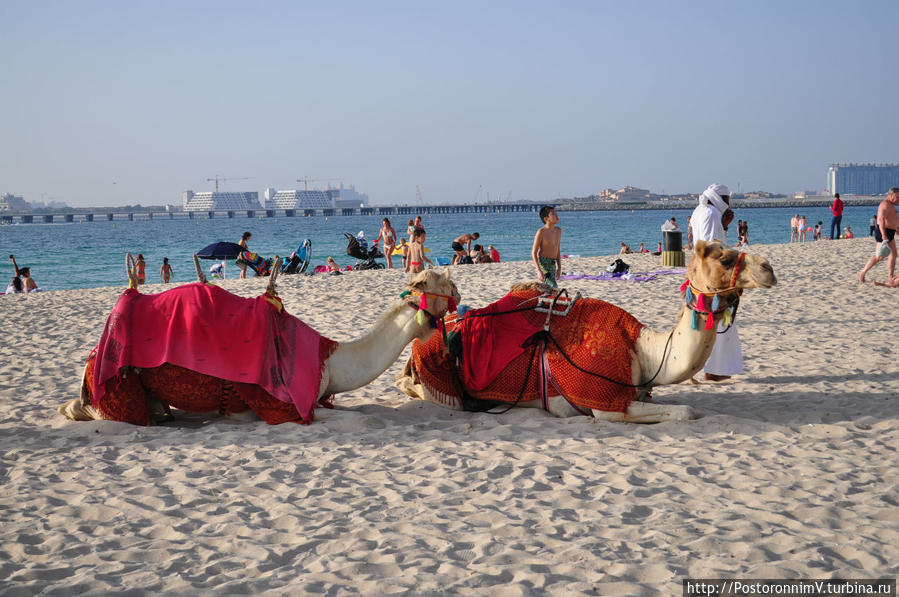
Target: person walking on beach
416,260
689,246
389,235
837,210
140,269
546,252
465,239
165,272
710,220
243,243
803,229
885,234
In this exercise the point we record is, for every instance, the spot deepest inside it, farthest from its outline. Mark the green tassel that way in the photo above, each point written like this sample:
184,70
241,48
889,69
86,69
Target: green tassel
405,293
728,317
694,324
420,318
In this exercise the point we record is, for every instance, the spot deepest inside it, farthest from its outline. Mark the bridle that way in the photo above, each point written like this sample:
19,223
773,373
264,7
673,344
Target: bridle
716,302
422,307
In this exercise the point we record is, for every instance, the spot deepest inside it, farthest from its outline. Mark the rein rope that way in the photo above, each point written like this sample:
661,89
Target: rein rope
543,337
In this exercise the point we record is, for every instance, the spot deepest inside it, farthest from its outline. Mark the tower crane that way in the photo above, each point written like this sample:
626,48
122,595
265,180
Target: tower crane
223,179
477,193
306,180
418,195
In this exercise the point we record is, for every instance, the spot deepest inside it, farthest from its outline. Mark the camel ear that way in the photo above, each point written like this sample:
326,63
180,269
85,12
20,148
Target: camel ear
701,248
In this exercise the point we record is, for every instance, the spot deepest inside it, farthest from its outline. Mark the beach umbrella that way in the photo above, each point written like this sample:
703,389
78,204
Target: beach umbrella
220,250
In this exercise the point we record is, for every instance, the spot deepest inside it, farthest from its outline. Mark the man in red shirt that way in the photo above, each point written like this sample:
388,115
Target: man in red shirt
837,210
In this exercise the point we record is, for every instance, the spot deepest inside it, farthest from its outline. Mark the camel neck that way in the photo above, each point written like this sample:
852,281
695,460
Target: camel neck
356,363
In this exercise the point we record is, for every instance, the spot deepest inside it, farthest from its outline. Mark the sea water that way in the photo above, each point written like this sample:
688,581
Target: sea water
92,254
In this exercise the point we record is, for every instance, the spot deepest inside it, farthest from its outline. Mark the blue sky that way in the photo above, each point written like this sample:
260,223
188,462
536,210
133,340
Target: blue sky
108,103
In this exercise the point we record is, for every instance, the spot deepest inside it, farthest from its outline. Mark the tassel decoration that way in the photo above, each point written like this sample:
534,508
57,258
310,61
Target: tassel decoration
716,302
462,310
405,293
728,317
420,317
685,285
423,305
452,305
688,295
709,321
700,302
694,323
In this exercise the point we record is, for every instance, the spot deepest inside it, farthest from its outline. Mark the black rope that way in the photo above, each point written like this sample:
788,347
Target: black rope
472,404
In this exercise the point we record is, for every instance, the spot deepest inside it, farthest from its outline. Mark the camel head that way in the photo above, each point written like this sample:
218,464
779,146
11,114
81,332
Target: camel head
438,289
713,264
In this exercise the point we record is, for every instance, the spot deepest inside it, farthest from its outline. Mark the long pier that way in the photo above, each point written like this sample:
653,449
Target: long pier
113,214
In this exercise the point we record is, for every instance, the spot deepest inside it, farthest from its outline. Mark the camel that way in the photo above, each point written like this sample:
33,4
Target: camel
716,278
143,395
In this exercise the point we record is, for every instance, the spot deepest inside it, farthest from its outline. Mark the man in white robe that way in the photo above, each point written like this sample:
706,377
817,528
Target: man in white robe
706,222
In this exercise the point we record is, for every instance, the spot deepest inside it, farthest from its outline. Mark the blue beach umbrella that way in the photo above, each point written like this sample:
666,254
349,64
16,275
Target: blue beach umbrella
220,250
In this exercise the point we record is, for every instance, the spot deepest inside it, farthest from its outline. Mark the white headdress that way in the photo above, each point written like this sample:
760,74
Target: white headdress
713,195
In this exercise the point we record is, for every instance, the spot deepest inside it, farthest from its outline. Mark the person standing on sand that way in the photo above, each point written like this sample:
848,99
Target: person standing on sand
165,272
140,269
415,262
837,210
710,220
794,229
546,252
803,229
887,225
389,235
243,243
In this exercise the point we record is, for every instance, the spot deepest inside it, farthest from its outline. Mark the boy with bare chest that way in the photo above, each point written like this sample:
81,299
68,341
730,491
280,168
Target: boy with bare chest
546,252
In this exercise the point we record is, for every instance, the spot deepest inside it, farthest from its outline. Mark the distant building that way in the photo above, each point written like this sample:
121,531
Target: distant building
348,197
219,201
10,202
862,179
628,195
293,199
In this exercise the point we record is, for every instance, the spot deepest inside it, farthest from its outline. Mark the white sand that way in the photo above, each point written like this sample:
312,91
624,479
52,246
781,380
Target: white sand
791,471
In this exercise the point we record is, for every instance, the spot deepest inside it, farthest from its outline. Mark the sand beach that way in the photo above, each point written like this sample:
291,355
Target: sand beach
790,471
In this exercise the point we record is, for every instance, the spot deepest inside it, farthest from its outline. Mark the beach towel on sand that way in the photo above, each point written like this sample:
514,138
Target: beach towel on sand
206,329
597,336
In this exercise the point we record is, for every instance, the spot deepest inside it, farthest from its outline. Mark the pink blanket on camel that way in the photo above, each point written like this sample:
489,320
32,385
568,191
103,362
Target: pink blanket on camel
209,330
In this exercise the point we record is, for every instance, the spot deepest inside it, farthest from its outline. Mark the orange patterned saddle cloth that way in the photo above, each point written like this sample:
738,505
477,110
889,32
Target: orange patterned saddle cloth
595,336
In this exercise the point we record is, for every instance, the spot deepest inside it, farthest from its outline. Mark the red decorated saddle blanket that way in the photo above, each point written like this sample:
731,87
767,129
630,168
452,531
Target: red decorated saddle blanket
206,329
596,336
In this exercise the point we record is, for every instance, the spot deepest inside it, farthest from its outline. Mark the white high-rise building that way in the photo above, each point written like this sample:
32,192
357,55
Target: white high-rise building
219,201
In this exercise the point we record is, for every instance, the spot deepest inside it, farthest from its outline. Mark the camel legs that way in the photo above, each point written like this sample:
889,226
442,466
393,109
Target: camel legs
648,412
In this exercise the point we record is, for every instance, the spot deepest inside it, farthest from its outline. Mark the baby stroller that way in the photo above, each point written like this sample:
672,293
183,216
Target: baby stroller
299,259
357,247
254,261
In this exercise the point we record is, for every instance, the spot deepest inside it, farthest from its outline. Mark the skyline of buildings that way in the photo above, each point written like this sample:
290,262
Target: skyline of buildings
862,179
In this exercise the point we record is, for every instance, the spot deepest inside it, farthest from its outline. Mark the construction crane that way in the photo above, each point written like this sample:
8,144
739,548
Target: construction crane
306,180
418,196
223,179
477,193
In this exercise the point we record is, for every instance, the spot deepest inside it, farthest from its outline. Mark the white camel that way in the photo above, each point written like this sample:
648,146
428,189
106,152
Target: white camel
350,365
716,273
